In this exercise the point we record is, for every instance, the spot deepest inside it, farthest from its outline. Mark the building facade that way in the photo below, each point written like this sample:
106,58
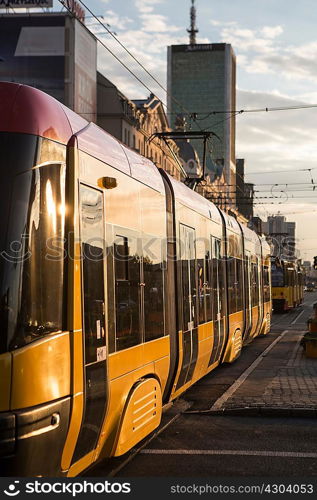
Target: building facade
135,123
282,236
244,191
53,52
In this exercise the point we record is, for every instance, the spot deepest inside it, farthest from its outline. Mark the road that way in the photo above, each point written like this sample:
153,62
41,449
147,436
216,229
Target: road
192,442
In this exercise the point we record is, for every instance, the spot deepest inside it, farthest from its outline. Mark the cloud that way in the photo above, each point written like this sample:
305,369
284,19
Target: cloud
295,62
260,51
146,6
271,31
247,40
277,140
110,18
156,23
223,23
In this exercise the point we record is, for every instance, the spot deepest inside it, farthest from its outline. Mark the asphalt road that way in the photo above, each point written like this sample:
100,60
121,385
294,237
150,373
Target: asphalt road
205,445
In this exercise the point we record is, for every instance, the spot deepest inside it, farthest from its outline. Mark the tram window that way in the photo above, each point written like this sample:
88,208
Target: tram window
232,290
33,300
255,284
201,291
193,279
128,332
121,253
93,275
111,317
204,291
208,295
222,279
189,287
239,285
278,276
185,290
229,284
153,289
266,284
215,286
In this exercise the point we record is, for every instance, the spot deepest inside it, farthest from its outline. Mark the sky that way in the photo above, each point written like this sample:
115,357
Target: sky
275,42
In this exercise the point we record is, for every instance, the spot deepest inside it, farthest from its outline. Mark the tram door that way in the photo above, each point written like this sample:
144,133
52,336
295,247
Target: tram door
218,300
189,294
248,298
93,298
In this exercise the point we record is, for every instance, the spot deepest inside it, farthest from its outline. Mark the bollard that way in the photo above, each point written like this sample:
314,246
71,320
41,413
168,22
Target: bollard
312,321
309,343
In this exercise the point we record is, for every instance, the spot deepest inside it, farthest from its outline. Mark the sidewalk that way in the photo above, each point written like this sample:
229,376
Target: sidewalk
283,383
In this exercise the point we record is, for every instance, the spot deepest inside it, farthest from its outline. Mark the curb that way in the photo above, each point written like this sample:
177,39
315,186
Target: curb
253,411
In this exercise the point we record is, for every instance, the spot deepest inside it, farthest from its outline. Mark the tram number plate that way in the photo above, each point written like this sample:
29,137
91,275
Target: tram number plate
101,353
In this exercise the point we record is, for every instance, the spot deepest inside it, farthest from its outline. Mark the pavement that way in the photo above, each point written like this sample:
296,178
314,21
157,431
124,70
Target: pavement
281,382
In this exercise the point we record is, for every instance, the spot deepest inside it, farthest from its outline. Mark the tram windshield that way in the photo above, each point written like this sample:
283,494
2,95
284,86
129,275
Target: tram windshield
32,202
277,275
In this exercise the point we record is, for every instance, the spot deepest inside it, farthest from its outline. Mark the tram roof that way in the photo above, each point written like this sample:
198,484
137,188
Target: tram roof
250,235
27,110
195,201
103,146
231,222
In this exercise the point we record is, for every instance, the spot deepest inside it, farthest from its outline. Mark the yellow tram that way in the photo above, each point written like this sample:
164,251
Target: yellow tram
120,288
287,284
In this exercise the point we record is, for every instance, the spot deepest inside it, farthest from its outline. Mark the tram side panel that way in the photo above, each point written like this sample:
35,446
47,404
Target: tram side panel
235,289
198,296
136,349
35,346
266,288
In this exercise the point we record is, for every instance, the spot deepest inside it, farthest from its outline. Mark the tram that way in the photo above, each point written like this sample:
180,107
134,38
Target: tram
120,288
287,284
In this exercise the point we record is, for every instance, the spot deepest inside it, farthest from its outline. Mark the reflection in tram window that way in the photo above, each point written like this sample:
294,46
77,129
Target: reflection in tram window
255,283
189,286
127,275
201,291
92,262
153,289
208,286
266,284
33,278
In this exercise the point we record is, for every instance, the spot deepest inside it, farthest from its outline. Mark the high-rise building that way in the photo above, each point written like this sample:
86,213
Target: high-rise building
201,83
282,236
244,191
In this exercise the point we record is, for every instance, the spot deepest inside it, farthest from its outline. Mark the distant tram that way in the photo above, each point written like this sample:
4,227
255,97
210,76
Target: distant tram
120,288
287,284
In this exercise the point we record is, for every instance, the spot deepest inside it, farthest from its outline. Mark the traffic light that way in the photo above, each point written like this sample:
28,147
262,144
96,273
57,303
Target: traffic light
315,262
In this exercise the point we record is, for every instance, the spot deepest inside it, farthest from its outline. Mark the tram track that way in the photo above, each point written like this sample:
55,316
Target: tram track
179,408
284,318
182,407
114,470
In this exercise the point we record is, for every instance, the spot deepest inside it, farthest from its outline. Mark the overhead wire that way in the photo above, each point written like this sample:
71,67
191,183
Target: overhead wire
192,115
135,59
282,171
111,52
